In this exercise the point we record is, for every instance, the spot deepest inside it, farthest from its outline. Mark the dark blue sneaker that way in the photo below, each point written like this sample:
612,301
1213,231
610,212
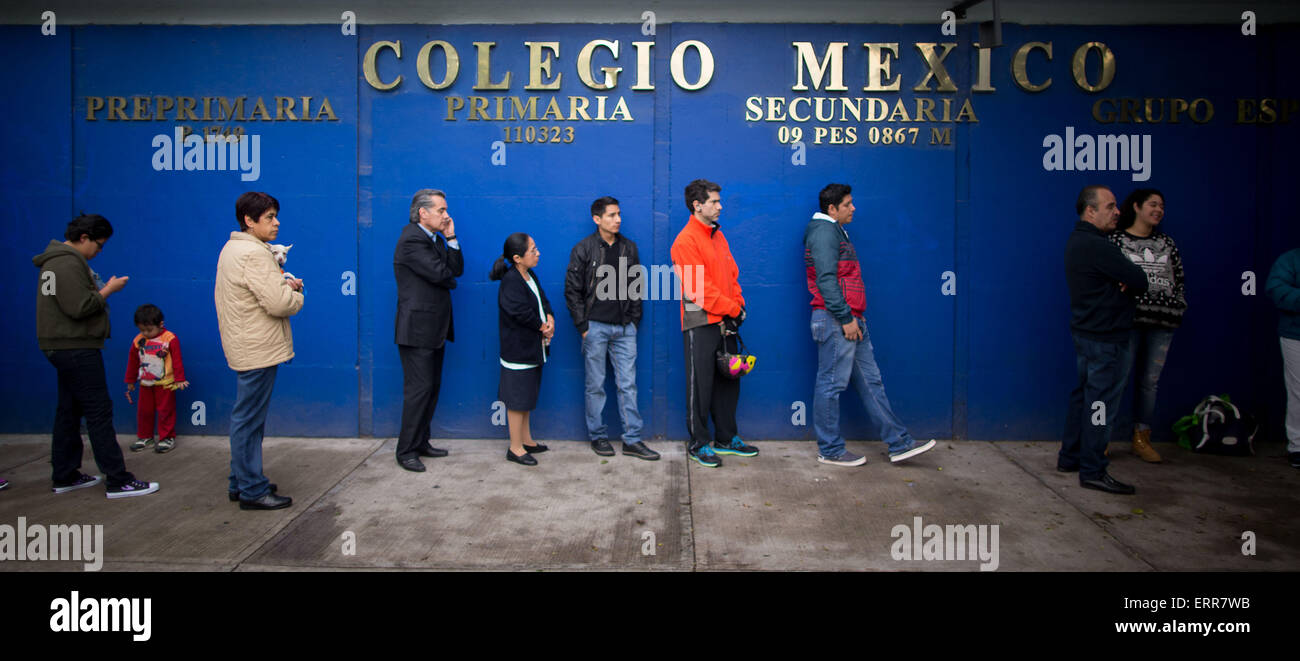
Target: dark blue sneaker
736,447
705,457
914,449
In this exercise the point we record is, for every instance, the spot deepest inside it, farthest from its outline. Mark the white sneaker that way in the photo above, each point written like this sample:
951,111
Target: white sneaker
913,451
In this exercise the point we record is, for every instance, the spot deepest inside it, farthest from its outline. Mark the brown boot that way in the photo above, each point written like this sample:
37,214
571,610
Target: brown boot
1142,446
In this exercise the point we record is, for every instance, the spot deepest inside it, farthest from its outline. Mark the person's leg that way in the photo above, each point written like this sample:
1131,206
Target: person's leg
622,353
871,388
165,401
1104,387
247,427
834,369
66,446
594,348
700,345
1070,456
726,396
1291,375
417,387
1154,348
435,386
91,389
515,420
145,409
525,430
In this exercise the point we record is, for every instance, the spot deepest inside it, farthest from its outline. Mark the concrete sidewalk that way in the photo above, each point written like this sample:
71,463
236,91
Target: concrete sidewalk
779,511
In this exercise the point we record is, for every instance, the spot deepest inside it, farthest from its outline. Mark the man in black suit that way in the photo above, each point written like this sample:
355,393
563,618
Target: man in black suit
426,263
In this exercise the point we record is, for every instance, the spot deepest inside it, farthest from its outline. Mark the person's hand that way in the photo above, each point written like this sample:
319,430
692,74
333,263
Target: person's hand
296,284
852,332
584,335
1123,287
182,385
450,229
129,388
115,284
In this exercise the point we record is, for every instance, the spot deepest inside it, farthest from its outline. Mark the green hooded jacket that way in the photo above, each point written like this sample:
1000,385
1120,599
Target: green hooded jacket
70,312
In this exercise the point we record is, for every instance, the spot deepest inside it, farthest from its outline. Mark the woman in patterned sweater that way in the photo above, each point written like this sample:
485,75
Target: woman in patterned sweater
1159,310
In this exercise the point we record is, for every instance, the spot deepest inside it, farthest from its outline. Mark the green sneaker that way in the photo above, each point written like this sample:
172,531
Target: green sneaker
143,444
736,447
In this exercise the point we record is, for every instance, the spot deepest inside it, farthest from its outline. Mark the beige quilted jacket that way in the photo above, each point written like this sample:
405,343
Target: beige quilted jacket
254,303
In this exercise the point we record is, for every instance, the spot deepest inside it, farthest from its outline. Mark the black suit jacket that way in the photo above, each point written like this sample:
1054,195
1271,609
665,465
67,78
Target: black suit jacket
426,271
518,321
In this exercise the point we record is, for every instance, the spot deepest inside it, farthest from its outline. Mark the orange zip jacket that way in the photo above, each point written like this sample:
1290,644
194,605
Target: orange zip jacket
708,275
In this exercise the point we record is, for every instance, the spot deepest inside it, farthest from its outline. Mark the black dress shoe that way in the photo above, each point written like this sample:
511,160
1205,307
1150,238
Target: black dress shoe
1066,469
535,449
430,451
1109,485
269,501
526,460
234,495
411,464
640,451
602,448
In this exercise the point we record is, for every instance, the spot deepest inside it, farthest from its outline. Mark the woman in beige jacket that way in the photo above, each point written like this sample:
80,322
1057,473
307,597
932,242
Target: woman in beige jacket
254,302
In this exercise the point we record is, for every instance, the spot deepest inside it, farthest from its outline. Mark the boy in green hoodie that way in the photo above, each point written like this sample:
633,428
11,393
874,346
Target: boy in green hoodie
71,326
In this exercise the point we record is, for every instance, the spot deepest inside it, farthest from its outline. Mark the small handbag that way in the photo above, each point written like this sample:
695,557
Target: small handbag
734,365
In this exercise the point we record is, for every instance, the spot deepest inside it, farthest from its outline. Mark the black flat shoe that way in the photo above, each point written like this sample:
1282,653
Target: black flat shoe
640,451
234,495
526,460
430,451
411,464
535,449
269,501
1109,485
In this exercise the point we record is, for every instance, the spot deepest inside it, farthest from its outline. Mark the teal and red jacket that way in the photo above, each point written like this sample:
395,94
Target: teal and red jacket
834,274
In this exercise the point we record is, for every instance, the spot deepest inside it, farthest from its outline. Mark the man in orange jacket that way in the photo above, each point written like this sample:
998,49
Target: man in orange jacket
711,304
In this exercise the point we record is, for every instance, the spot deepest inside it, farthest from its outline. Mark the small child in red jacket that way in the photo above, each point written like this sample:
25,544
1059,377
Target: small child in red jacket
155,362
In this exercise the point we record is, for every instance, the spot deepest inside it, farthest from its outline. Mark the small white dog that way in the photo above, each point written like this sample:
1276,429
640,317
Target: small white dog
281,253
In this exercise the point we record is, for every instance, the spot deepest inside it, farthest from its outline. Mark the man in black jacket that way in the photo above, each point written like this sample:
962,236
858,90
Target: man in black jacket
426,263
1103,283
601,291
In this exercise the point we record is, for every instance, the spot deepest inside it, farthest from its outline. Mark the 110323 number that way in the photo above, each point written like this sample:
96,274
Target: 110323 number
539,134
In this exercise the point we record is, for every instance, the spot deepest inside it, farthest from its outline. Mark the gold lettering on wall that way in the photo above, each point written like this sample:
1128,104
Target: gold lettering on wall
1019,66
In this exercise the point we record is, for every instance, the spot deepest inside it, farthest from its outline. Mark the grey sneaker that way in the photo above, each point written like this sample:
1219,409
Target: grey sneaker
845,459
165,445
917,448
132,488
81,482
143,444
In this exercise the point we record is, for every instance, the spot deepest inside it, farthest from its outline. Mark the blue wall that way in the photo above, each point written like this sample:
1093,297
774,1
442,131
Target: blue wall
992,362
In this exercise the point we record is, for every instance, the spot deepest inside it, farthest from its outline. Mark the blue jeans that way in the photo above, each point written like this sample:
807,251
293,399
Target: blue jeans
247,424
1103,371
619,343
840,362
1147,350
